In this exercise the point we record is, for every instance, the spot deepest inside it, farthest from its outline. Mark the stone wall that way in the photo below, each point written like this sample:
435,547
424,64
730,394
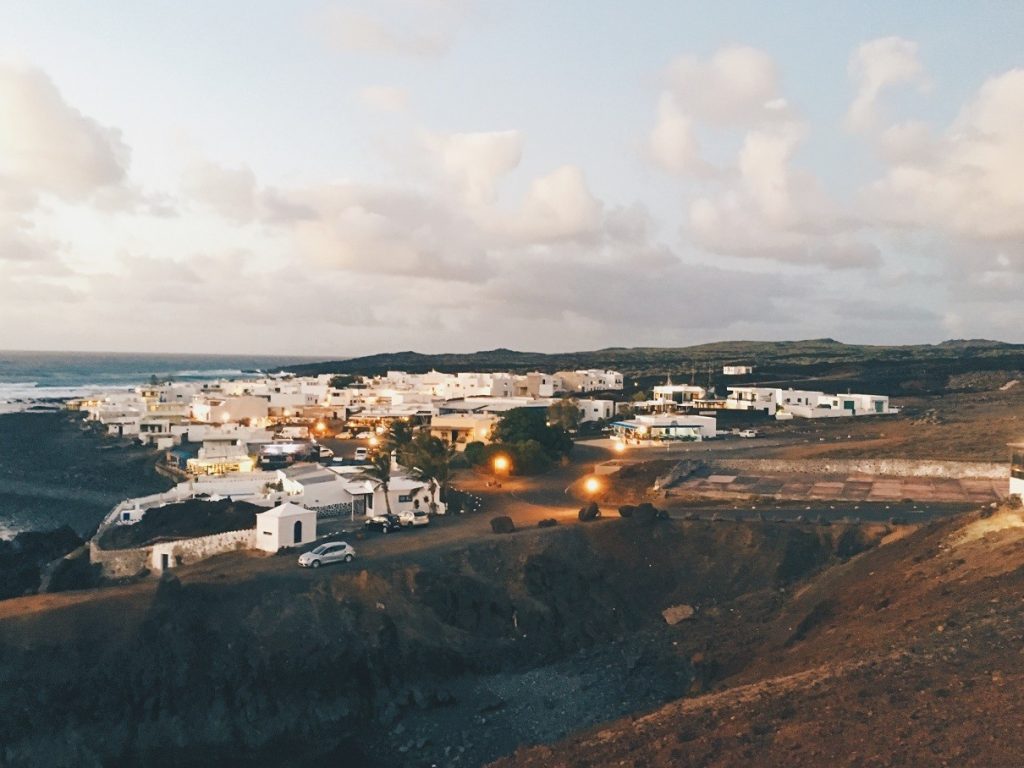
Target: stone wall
119,563
123,563
186,551
889,467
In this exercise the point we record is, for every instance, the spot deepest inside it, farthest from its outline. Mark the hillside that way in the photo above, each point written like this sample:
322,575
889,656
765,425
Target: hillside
832,364
907,655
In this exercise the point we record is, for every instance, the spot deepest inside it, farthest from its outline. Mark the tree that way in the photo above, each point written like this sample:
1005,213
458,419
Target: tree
431,459
398,438
379,470
520,425
564,413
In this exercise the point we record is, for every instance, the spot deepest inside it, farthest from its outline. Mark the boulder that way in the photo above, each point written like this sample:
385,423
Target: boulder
676,613
647,513
627,510
590,512
548,522
502,524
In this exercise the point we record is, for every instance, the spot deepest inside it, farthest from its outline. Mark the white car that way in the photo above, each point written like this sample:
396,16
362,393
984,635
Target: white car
361,454
748,433
416,517
325,554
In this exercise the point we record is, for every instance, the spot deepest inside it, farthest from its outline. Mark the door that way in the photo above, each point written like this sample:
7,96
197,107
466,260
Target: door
297,532
359,505
165,562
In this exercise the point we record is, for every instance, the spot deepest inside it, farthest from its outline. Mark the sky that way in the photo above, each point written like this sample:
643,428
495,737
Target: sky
343,178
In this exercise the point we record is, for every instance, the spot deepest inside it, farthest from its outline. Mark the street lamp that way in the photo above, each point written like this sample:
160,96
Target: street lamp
620,446
501,464
592,485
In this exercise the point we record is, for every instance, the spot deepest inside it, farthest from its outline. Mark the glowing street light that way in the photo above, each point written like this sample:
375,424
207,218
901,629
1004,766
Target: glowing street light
501,464
592,485
320,426
620,446
374,441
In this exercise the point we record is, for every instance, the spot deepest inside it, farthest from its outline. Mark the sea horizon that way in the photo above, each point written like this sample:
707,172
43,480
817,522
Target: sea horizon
29,377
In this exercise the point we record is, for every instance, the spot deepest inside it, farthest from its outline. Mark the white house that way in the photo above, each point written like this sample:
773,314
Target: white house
737,370
595,410
286,525
679,393
669,426
405,494
460,429
1017,469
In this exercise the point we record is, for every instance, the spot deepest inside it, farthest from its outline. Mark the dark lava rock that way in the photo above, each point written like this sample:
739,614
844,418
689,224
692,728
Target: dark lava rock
502,524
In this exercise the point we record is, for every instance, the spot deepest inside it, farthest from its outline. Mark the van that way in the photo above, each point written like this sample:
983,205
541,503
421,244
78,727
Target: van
361,454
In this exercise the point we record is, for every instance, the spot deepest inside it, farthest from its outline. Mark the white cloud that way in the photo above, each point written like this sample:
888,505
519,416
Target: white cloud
738,85
968,182
423,29
673,144
476,161
559,206
384,98
231,192
875,66
48,146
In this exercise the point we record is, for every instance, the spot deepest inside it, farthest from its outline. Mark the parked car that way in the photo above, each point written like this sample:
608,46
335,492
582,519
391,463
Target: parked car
748,433
363,435
415,517
333,552
361,454
384,523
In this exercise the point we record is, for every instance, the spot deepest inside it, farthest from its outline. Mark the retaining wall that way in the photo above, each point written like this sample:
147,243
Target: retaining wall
954,470
187,551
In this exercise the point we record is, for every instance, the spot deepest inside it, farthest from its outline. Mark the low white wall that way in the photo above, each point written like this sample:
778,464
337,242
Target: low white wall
187,551
892,467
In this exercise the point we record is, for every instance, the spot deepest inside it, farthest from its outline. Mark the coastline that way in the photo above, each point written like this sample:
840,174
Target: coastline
53,473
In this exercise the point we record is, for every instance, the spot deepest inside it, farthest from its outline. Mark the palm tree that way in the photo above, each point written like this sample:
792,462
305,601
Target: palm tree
379,470
431,459
398,438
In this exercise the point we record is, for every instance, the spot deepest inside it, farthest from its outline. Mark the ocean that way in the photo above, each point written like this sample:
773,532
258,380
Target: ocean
45,480
31,378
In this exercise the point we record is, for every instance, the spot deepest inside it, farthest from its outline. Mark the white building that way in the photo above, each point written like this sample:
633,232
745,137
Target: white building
807,404
662,427
595,410
737,370
1017,469
221,456
286,525
678,393
460,429
590,380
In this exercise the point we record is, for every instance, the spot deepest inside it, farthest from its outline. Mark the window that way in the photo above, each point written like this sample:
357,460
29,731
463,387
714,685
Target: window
406,498
1017,464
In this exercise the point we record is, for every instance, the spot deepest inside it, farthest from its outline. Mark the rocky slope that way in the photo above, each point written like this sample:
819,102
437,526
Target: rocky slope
452,657
910,654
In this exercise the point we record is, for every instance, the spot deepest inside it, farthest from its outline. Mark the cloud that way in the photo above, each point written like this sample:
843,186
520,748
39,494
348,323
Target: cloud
384,98
673,143
771,210
48,146
738,85
231,192
476,161
876,66
558,206
418,29
968,181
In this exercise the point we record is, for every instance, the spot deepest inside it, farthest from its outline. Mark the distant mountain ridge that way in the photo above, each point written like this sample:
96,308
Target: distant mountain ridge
849,365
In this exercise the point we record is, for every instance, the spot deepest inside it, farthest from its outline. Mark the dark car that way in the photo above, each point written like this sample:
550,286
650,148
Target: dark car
385,523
